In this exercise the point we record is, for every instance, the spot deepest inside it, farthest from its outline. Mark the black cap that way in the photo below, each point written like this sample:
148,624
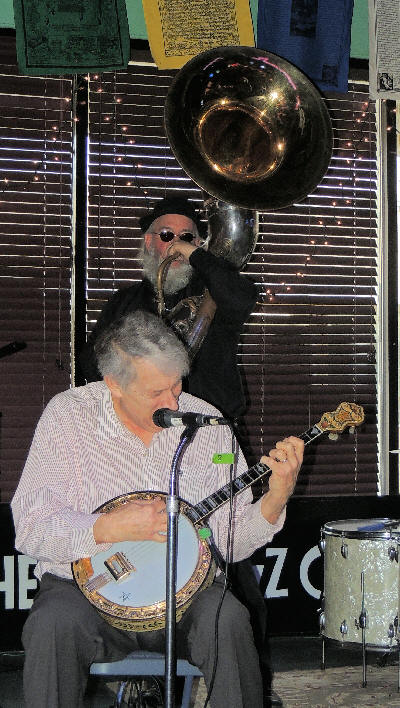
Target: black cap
170,205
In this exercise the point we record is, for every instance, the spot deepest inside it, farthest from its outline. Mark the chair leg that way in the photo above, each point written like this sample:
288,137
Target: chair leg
187,692
120,693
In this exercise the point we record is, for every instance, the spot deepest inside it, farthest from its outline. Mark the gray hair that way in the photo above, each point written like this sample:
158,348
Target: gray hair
139,335
150,260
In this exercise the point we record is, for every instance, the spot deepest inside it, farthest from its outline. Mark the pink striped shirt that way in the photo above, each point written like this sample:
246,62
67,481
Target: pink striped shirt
82,455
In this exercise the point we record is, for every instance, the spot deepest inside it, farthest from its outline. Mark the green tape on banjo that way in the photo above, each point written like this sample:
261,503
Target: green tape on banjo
223,458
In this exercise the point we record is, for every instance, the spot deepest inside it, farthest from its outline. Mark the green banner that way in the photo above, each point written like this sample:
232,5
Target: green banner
71,36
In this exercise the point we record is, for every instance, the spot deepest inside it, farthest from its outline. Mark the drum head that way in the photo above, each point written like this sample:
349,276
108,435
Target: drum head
363,528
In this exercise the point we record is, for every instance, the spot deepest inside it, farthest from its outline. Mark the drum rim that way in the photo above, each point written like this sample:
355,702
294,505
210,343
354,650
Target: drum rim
387,533
372,647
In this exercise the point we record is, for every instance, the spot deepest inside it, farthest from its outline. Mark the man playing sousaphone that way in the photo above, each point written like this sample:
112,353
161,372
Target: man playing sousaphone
99,441
174,227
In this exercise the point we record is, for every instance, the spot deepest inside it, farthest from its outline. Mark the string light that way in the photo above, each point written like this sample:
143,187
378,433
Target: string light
128,140
358,140
38,165
319,227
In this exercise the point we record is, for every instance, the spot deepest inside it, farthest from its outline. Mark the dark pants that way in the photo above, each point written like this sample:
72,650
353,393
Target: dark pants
245,587
64,634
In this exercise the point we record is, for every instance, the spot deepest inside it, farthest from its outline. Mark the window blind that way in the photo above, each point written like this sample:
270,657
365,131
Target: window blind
310,343
35,268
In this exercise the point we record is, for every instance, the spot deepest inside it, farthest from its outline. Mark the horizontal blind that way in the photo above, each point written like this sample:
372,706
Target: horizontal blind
130,167
35,268
310,342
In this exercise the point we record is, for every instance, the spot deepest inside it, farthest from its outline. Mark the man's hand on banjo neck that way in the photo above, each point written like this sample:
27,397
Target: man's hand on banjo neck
285,460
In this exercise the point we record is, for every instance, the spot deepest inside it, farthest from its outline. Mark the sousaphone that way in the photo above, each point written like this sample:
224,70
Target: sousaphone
248,127
254,133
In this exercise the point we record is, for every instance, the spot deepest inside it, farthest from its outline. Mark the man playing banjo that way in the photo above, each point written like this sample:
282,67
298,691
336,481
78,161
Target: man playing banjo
99,441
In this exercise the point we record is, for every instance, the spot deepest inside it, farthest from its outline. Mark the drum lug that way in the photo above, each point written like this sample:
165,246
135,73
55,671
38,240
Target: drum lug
391,631
344,628
393,554
321,614
362,621
321,545
321,621
344,550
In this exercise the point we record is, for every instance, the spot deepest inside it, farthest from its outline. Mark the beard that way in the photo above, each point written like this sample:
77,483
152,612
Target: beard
177,277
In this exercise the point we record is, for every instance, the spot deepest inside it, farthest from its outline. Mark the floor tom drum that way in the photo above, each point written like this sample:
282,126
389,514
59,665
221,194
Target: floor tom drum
361,581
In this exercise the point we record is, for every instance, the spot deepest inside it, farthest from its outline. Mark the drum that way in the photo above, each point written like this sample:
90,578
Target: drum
361,581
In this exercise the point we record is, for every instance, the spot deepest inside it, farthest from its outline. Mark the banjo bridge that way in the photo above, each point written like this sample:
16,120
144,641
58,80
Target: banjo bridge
119,566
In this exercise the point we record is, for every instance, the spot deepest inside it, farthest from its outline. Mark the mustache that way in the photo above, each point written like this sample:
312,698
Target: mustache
177,278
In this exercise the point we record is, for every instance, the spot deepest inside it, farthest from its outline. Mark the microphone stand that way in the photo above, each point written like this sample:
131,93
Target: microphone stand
172,508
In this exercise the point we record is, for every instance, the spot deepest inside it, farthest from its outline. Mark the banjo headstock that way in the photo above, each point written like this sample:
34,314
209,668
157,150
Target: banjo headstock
345,415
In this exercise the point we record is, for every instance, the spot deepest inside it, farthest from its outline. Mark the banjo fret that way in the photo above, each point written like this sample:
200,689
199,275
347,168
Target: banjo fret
345,414
204,508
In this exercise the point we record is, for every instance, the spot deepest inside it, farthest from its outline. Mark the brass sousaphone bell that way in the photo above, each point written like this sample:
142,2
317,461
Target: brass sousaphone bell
253,132
248,127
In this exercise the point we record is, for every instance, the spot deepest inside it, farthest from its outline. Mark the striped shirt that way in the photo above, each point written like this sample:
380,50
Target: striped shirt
82,455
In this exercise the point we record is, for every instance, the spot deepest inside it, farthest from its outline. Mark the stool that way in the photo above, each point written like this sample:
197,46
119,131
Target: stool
146,663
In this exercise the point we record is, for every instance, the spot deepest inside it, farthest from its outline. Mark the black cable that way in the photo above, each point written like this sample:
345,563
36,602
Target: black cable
227,562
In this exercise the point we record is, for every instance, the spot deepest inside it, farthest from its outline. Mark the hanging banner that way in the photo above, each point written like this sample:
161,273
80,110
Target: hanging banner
313,35
54,37
178,30
384,49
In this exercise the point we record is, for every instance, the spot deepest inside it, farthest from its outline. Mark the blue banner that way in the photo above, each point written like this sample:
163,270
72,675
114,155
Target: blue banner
312,34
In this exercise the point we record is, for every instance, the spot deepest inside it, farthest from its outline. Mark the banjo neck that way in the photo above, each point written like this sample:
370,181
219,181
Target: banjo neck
200,511
346,414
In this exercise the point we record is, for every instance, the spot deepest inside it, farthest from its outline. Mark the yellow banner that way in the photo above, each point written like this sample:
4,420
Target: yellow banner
180,29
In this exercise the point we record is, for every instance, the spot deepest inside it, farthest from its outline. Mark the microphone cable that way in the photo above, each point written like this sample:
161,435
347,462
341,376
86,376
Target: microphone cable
232,467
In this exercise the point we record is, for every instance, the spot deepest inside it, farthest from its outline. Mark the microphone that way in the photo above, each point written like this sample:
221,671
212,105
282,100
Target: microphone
165,418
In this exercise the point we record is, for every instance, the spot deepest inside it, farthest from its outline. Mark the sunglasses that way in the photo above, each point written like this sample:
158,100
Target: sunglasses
167,235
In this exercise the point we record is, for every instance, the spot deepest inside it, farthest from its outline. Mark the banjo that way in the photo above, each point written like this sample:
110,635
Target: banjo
127,584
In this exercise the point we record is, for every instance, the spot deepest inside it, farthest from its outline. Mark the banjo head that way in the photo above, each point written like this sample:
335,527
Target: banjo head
127,582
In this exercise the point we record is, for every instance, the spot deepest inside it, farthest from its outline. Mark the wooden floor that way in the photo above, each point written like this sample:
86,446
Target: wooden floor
298,679
300,682
333,688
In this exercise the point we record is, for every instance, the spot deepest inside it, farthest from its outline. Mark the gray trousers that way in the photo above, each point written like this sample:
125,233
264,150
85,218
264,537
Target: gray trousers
64,634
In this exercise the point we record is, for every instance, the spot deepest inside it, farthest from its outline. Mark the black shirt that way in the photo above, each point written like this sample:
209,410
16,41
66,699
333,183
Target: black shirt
214,374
